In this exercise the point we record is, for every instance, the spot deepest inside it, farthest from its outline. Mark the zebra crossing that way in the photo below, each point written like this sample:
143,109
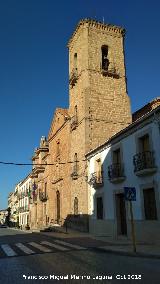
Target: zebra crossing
19,249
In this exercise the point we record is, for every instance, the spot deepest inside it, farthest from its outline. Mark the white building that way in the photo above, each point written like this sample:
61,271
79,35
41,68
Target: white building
24,193
3,214
129,159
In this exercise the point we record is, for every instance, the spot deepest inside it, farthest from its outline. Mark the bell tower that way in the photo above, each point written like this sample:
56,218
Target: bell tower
98,92
99,105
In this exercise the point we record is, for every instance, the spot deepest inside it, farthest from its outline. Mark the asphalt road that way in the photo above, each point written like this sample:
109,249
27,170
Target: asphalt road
75,262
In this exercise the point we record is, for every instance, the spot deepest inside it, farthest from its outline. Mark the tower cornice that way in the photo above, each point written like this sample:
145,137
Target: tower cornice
102,26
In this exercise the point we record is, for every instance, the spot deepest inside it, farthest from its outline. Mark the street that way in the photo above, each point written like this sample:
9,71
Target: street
39,258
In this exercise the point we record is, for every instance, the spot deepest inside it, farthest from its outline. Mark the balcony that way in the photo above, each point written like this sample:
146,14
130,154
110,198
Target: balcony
116,173
74,122
144,163
21,209
73,77
43,197
37,170
96,180
26,208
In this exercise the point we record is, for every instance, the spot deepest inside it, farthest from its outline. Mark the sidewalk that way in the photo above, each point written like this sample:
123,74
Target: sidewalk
121,246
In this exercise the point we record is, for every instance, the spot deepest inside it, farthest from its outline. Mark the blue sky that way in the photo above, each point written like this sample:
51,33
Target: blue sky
34,67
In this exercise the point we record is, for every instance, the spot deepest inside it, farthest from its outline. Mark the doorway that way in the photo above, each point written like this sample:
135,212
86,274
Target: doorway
121,214
58,206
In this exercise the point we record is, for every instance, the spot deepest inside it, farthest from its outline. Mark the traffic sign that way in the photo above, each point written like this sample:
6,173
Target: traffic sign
130,193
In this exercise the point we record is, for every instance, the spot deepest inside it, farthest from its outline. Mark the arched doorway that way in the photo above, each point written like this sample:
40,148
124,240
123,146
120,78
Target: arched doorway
58,206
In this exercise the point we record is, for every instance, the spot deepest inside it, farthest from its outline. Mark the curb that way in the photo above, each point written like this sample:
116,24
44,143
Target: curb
24,231
123,252
129,253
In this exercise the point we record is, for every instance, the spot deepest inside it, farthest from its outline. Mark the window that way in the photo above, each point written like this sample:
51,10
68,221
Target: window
116,169
117,156
58,148
74,173
75,61
76,206
99,208
105,61
150,204
75,166
144,143
98,168
45,189
75,111
74,120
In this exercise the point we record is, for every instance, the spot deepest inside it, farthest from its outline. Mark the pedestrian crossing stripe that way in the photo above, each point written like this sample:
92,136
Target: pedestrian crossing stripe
8,250
42,247
55,246
24,248
69,245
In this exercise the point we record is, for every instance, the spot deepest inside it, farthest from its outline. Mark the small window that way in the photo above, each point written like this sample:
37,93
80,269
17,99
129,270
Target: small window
75,111
76,206
58,148
99,208
75,165
75,61
105,60
45,189
150,209
74,119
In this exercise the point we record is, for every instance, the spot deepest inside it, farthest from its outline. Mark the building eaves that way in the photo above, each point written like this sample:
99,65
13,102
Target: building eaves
123,131
146,109
24,180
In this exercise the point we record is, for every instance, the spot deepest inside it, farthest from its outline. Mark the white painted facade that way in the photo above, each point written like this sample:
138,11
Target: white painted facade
23,192
128,141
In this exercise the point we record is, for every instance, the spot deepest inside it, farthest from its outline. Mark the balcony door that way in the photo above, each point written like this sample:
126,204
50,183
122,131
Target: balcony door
121,214
144,143
98,171
117,156
58,206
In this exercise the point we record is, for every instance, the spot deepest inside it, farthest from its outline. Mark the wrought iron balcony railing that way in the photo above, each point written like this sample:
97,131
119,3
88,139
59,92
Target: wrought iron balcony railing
21,209
43,197
73,77
143,161
26,208
96,179
116,171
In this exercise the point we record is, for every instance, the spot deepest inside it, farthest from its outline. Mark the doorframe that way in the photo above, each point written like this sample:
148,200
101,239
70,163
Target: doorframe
118,191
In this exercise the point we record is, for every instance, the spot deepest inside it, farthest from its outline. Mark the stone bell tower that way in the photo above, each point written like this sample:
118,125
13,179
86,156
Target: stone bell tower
98,93
99,105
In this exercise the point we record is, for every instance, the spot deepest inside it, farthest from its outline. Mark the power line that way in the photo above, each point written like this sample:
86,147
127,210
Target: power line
47,164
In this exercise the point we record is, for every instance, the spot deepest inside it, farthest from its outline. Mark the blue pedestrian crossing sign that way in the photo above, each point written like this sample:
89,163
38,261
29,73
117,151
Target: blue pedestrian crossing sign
130,193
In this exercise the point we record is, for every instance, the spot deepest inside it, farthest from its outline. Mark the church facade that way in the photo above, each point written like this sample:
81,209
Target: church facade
99,107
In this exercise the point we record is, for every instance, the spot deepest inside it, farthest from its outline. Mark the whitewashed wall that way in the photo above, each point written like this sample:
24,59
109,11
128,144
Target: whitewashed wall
128,146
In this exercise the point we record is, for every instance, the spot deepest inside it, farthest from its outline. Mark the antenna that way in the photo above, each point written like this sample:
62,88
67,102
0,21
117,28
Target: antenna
103,19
